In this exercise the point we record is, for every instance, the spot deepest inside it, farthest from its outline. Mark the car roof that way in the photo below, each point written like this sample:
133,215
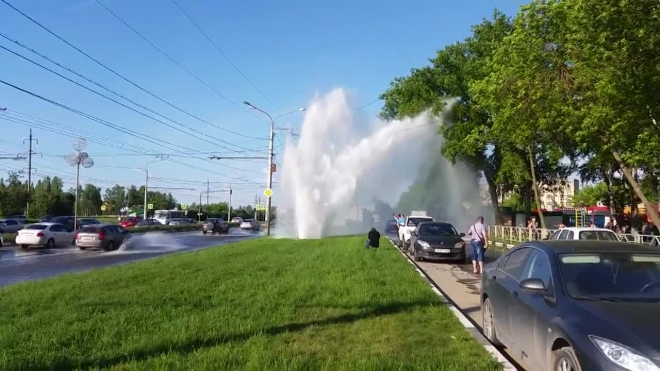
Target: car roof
586,229
592,246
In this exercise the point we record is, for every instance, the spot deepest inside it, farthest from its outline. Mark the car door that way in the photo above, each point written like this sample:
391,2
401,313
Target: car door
55,233
534,311
11,226
512,271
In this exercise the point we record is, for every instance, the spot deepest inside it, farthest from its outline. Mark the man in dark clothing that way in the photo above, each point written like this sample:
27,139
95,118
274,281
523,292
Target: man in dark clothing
373,238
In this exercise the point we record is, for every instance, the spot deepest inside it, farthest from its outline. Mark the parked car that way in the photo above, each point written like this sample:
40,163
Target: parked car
148,223
105,236
130,222
391,227
44,234
2,242
10,226
20,218
585,233
250,224
64,220
215,225
86,221
46,218
237,219
437,241
575,305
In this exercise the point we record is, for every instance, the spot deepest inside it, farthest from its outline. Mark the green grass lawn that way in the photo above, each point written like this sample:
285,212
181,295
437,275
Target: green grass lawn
264,304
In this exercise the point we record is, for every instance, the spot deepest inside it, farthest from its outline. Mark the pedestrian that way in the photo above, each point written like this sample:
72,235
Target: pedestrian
373,239
479,244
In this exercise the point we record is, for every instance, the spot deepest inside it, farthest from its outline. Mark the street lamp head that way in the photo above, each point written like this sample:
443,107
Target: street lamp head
301,109
250,106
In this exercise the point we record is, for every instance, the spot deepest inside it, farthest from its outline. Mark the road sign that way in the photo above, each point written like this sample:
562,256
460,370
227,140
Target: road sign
103,207
268,192
184,206
261,207
150,206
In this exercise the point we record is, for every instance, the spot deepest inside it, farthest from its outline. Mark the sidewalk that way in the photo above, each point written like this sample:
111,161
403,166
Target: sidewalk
462,288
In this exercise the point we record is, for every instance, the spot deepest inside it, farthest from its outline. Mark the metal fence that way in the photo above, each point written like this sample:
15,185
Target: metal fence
521,234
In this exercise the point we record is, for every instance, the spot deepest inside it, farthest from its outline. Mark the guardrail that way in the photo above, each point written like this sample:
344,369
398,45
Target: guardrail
521,234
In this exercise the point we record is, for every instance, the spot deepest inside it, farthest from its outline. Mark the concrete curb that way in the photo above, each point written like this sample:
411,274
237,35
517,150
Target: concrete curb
502,244
465,320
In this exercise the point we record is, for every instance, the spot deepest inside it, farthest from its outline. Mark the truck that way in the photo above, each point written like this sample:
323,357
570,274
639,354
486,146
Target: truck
409,225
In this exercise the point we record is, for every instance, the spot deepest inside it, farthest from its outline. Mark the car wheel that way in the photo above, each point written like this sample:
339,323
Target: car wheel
24,246
82,248
406,246
50,244
565,359
488,322
110,246
203,232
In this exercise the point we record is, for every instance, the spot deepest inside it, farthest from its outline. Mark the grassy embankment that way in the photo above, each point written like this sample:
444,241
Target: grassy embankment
264,304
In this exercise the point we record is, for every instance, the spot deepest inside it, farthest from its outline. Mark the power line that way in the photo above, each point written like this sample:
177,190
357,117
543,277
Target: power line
221,52
130,108
104,88
114,126
118,74
172,59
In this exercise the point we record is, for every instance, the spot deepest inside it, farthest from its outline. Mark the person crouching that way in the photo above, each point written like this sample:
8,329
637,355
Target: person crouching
373,239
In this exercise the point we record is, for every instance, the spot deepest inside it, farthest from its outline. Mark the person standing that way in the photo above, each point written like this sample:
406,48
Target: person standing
479,244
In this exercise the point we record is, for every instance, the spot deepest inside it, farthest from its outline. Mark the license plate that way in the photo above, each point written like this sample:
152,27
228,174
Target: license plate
85,238
443,251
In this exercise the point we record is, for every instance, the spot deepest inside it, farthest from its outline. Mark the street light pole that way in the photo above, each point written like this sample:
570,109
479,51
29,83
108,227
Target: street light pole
271,157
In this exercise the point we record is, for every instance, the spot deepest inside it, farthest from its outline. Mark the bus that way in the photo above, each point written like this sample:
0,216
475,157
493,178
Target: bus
164,216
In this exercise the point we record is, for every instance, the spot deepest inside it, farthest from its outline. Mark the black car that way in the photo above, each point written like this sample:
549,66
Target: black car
46,218
437,241
391,227
576,305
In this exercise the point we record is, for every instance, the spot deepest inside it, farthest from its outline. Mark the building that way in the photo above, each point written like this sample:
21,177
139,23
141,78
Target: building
559,195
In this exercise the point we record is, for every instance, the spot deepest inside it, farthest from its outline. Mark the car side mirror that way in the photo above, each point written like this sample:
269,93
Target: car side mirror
461,235
532,285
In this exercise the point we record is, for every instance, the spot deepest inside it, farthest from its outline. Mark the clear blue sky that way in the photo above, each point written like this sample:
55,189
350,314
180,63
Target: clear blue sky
290,50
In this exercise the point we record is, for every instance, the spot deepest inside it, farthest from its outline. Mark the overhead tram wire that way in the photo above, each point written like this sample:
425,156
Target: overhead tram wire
172,59
125,106
122,77
222,53
116,127
104,88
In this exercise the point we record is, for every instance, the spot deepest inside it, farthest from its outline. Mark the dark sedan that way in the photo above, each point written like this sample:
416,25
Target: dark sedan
391,227
437,241
576,305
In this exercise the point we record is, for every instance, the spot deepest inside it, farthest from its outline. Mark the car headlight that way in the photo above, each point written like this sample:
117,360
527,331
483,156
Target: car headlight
424,244
459,245
623,356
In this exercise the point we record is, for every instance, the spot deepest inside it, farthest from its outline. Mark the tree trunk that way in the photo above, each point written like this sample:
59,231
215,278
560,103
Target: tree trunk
535,185
650,211
610,189
492,189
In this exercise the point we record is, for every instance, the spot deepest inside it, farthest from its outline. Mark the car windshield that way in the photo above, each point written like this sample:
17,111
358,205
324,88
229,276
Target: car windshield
412,222
38,227
598,235
625,276
437,229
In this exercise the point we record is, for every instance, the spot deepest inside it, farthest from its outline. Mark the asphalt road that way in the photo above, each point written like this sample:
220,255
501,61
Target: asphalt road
461,286
17,265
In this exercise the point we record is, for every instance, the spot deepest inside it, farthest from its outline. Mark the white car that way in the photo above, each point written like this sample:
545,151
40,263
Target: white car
44,234
409,225
2,242
585,233
250,224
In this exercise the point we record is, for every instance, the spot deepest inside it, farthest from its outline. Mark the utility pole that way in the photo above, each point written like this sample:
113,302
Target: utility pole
29,156
229,206
271,155
208,190
255,207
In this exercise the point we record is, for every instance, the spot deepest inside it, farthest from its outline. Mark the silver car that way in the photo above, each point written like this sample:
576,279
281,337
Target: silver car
105,236
10,226
250,224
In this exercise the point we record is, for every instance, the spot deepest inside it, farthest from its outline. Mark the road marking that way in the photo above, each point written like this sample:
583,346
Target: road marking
472,329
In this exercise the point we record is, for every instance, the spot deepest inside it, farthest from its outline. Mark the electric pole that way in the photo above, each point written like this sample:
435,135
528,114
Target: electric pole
255,207
30,153
229,206
208,190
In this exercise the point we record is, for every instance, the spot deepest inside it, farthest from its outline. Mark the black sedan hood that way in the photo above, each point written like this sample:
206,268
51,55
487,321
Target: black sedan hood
441,240
641,320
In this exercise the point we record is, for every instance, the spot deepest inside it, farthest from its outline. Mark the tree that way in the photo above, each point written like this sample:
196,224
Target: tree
453,69
115,197
524,95
13,194
612,46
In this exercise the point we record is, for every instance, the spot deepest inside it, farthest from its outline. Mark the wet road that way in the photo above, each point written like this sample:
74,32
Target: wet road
18,265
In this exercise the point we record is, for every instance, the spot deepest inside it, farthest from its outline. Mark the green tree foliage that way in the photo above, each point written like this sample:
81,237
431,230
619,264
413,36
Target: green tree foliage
564,82
13,195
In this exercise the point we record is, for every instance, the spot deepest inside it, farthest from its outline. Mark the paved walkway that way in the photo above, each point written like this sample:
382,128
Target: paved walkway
462,287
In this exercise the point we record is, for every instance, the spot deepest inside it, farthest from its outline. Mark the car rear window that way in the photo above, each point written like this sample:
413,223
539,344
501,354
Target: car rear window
38,227
598,235
89,229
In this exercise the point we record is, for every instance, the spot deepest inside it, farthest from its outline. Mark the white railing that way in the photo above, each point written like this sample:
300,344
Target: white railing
521,234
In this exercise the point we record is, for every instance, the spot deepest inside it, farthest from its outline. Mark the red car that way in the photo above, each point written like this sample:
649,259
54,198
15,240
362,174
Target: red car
130,222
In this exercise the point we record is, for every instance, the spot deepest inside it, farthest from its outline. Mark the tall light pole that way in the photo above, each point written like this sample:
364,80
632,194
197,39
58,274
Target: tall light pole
271,155
146,182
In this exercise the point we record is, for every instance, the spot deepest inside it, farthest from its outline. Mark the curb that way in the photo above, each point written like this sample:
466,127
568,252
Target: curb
502,244
465,321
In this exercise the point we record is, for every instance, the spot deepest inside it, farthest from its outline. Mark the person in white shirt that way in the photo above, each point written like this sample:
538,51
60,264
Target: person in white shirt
479,244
